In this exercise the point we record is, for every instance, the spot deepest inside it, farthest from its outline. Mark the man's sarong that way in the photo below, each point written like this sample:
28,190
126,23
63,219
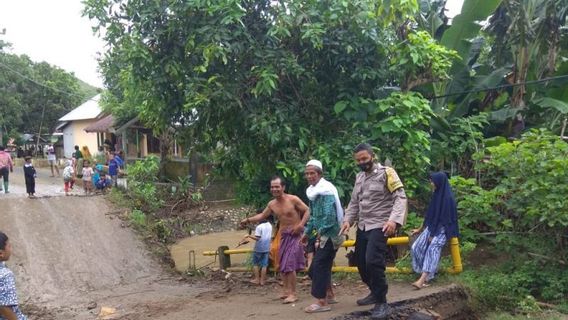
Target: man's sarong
291,252
275,250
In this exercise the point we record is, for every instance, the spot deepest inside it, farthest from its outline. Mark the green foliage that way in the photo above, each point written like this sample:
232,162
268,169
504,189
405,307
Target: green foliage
398,126
523,188
516,286
253,83
466,25
478,209
519,204
531,173
162,230
138,218
142,178
422,60
453,148
27,88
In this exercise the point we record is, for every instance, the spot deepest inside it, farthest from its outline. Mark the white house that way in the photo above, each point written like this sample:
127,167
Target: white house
74,123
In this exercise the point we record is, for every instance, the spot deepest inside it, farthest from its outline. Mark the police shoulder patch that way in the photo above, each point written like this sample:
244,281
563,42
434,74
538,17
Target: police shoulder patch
393,181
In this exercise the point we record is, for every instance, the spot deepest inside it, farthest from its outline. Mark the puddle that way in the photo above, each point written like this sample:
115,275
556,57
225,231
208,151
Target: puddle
210,242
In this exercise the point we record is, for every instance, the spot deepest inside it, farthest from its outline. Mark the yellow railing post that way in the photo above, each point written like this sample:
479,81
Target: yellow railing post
456,257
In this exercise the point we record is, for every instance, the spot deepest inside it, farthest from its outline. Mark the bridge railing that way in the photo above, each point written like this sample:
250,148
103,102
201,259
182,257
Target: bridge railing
224,254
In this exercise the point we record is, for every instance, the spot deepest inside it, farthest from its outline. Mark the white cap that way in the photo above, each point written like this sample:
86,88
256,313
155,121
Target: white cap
315,163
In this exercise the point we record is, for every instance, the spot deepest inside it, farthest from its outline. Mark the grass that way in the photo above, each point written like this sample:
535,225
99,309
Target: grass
546,315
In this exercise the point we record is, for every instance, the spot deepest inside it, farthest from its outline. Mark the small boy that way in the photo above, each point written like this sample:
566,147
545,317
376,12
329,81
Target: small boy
8,298
103,183
68,178
30,176
262,236
113,167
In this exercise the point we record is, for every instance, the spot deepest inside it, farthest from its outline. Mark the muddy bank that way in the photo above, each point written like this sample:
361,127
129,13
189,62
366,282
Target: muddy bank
452,303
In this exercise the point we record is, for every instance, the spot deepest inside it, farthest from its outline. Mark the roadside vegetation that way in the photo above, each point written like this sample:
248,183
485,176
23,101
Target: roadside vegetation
259,87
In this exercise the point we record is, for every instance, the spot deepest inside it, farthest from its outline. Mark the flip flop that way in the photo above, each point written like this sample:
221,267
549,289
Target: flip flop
332,301
424,285
314,308
288,300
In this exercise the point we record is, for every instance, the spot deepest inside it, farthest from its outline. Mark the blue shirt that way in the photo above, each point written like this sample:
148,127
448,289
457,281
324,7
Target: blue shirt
8,296
264,232
113,166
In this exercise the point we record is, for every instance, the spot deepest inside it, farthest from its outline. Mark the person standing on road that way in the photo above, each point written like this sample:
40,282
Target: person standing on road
52,160
440,224
6,166
78,159
29,176
379,203
293,215
9,306
326,215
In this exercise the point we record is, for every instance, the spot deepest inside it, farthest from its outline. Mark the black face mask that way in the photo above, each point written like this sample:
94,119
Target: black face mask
366,166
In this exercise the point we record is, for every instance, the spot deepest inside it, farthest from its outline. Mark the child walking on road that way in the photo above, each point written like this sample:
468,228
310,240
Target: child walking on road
87,177
262,236
30,176
68,178
8,298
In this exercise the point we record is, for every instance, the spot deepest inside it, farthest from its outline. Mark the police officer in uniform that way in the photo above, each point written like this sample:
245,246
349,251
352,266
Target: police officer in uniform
378,203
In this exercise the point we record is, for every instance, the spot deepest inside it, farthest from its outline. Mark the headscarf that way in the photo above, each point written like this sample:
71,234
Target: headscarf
442,211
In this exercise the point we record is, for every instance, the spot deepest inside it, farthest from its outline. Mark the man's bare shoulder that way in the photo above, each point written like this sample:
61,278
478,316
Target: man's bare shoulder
271,203
293,198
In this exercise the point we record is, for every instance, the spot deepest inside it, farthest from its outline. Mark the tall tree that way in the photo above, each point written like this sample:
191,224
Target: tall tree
268,84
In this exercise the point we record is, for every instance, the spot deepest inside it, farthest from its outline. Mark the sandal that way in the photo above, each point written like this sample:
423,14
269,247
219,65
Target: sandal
314,308
331,301
418,287
288,300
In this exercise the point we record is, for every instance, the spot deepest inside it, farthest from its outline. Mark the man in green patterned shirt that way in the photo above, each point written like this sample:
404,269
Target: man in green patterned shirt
326,215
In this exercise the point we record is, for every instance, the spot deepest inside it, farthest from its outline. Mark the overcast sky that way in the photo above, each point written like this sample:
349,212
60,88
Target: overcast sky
54,31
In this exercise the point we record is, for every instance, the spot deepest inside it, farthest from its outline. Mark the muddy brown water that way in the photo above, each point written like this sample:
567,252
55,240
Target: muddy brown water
180,251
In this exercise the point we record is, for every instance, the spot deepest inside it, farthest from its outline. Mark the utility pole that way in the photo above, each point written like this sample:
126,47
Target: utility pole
2,126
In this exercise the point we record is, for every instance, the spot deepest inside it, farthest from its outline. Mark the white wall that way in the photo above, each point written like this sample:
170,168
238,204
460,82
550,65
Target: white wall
68,142
75,134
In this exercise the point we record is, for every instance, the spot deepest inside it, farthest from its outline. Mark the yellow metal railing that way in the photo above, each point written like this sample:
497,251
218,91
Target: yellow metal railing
225,262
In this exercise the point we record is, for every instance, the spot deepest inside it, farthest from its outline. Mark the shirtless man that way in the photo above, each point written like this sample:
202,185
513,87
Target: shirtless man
293,215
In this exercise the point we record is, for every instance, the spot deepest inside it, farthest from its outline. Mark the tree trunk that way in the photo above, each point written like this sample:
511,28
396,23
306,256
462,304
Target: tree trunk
165,145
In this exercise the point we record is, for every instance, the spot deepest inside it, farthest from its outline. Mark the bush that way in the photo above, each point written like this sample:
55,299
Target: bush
142,176
137,218
520,205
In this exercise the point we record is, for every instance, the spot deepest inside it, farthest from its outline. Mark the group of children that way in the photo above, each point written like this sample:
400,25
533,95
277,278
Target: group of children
93,177
100,177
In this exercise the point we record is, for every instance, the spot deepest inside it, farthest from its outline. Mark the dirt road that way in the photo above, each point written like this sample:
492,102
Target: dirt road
72,259
70,255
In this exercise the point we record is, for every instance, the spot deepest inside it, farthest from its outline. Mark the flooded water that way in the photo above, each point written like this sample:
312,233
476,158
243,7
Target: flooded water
210,242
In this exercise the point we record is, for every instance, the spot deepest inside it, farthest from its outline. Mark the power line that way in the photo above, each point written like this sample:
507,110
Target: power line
501,87
43,85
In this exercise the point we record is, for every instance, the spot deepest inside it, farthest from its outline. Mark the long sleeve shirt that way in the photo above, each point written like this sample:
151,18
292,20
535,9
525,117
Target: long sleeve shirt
377,198
6,160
